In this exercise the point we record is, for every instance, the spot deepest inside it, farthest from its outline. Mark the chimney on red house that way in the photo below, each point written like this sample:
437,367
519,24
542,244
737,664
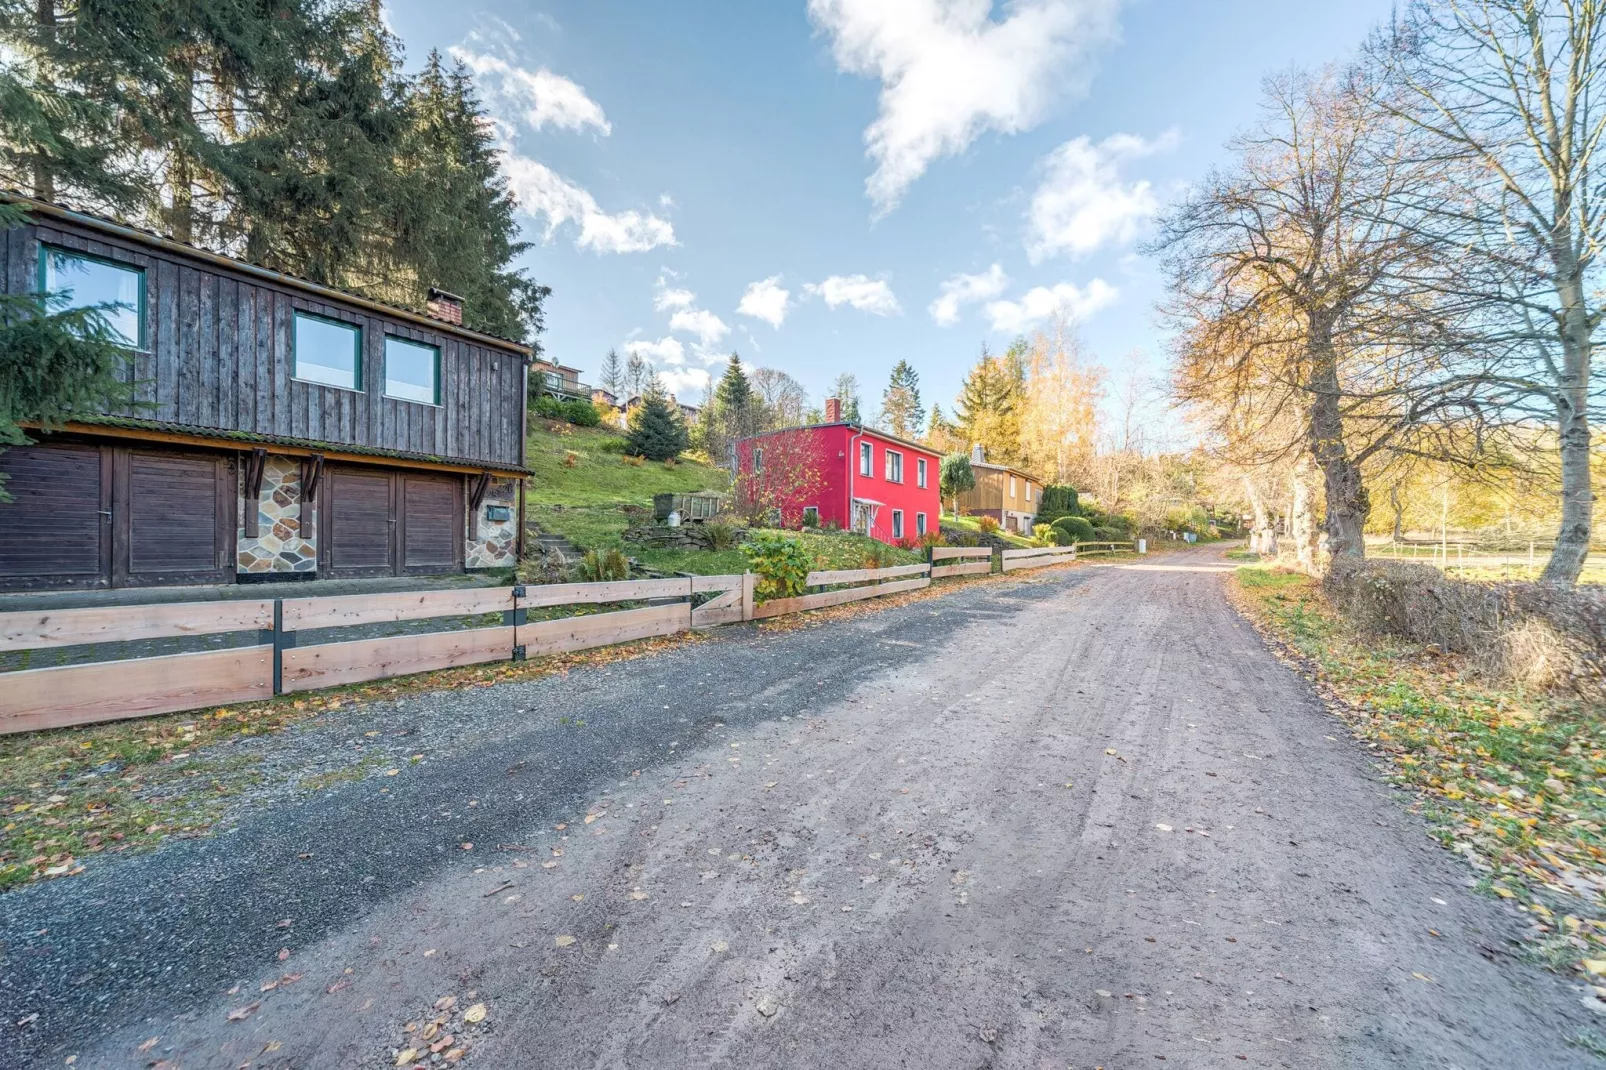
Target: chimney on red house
448,308
833,410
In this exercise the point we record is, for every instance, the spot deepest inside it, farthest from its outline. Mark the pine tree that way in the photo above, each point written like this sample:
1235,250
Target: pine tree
656,430
734,394
612,376
637,374
900,403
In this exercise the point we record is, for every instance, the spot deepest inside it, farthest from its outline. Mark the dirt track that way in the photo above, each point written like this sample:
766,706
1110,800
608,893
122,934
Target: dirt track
1084,820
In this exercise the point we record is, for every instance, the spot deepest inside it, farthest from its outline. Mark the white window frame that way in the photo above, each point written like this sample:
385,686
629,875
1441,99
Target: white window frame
815,509
867,460
920,523
893,460
1012,486
435,385
897,523
920,472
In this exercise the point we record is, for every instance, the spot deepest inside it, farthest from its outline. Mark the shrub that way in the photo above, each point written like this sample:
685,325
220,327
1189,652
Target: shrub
1105,533
720,535
581,413
1043,533
1058,501
603,566
634,460
1075,529
955,478
612,444
988,524
548,407
933,538
781,562
670,463
570,459
878,555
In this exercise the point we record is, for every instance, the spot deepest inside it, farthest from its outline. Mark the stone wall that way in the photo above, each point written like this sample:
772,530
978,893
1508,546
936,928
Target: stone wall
495,543
280,545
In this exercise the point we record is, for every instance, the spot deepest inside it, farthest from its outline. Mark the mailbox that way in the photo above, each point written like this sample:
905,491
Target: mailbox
498,512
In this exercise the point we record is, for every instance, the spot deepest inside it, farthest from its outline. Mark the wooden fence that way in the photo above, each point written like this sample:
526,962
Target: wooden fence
1037,557
280,661
1092,549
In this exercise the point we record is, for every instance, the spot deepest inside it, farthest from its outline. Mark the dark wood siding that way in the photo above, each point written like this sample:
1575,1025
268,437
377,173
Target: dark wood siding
359,518
431,520
54,531
174,516
218,357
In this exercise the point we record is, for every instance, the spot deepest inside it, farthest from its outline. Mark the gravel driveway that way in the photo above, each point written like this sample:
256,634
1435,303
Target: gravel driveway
1080,820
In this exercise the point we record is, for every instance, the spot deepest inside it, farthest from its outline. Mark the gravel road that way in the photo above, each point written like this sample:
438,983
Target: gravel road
1080,820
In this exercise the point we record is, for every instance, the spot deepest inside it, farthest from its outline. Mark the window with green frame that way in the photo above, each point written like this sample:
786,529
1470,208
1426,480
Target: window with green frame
327,351
412,370
75,280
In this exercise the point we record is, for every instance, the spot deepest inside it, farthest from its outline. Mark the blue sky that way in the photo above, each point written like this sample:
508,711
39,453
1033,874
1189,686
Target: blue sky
681,164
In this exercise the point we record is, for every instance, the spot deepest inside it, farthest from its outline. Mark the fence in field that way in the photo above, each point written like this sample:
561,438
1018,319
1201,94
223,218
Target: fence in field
301,644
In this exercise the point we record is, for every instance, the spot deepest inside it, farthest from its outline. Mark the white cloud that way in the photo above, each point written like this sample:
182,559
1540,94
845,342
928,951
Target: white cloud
859,291
672,297
966,290
543,192
666,350
708,327
949,72
680,380
1041,302
539,97
1082,202
766,300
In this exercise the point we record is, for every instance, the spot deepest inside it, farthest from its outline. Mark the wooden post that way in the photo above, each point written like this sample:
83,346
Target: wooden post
749,587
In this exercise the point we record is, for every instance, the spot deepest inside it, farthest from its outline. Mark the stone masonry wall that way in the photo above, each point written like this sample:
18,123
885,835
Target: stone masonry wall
494,543
280,545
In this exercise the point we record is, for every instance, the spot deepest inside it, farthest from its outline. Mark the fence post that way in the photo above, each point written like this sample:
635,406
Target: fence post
749,586
282,641
516,618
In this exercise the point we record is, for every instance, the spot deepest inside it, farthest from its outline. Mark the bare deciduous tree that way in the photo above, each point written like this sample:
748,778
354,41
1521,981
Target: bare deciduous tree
1511,98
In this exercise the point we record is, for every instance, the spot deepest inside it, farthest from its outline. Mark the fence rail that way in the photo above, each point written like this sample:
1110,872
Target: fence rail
281,661
1091,549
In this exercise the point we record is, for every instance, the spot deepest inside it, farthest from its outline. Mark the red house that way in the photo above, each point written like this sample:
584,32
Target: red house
855,477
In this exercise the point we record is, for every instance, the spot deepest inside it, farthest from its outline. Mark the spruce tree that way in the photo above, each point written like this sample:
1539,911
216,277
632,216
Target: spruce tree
656,430
900,403
612,376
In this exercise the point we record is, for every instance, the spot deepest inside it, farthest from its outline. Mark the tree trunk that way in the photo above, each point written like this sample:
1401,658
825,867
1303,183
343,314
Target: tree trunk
44,176
1259,535
1399,512
1302,521
1347,500
1572,425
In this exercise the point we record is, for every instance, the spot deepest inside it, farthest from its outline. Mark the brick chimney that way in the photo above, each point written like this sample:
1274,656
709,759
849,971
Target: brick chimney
448,308
833,410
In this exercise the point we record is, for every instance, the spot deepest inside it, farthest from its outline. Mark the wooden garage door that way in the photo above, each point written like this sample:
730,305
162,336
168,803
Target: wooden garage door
175,519
359,515
432,520
56,530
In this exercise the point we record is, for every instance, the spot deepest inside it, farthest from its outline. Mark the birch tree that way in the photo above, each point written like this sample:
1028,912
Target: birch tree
1511,96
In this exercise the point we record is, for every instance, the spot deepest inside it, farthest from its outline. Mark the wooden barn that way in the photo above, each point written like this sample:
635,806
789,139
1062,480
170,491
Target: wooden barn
280,430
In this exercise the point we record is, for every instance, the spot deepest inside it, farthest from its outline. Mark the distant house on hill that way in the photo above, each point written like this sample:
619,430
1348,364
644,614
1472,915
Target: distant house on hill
280,430
689,413
559,380
841,473
1006,494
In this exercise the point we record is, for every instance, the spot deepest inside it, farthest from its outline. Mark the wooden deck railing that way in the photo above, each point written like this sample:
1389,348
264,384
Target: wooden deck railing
303,643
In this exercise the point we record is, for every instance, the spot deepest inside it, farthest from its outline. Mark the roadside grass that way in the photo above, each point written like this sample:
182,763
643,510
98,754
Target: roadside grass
1511,781
1242,555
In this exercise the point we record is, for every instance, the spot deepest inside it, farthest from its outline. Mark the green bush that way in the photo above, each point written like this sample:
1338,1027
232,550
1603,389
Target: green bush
581,413
603,566
1072,529
1105,533
1058,501
781,563
612,444
721,536
548,407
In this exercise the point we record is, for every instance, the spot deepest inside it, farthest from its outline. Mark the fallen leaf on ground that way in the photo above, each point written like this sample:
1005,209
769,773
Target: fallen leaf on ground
149,1044
240,1014
563,941
1163,828
406,1055
474,1014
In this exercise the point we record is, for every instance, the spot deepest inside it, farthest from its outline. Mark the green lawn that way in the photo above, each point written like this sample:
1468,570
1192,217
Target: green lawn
974,524
601,477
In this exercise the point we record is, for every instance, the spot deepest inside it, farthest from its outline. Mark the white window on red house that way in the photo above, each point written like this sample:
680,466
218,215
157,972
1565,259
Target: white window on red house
811,516
920,471
920,520
897,523
894,466
865,457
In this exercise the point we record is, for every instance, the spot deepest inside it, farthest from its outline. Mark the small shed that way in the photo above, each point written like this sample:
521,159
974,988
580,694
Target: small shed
691,507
